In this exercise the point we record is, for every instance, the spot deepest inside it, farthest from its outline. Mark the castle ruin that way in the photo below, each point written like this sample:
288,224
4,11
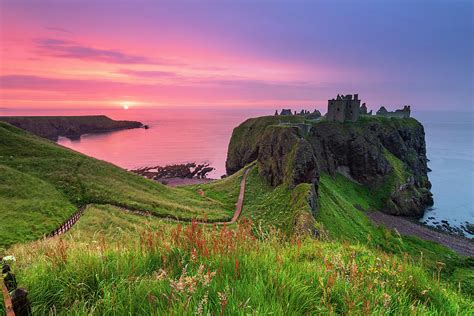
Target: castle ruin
400,113
286,112
348,108
344,108
309,115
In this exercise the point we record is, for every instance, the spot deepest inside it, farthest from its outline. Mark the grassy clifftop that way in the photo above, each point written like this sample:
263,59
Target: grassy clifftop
42,183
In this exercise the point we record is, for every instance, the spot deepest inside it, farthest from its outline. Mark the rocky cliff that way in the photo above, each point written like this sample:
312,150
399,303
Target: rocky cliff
73,127
386,154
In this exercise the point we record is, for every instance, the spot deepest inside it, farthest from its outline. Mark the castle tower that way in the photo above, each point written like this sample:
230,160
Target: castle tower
344,108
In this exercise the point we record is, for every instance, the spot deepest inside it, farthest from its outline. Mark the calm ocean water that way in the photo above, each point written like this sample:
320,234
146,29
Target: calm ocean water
450,148
202,135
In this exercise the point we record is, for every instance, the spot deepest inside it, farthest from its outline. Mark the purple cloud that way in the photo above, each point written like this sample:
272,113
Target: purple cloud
148,73
206,89
68,49
58,29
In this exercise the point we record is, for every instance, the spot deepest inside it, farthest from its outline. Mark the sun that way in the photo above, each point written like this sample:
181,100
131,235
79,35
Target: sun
125,105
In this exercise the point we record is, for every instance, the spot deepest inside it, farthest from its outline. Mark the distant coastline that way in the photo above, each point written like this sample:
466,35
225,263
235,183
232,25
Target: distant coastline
72,127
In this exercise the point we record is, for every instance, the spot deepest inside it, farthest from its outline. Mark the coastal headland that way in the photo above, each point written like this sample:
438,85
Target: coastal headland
52,127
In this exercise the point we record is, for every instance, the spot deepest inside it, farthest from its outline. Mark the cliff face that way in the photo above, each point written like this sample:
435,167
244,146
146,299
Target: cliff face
73,127
387,155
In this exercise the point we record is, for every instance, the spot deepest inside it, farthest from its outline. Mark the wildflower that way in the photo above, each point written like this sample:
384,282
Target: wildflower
223,300
9,258
202,303
178,285
160,275
236,270
194,255
386,300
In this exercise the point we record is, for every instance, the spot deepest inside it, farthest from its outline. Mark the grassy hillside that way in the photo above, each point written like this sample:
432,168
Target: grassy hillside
29,207
134,265
225,191
342,204
41,183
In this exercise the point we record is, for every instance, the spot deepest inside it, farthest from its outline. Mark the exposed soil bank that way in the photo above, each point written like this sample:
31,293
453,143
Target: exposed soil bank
461,245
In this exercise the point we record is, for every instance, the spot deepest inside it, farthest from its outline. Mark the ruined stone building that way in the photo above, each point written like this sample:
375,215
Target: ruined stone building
400,113
286,112
314,115
344,108
309,115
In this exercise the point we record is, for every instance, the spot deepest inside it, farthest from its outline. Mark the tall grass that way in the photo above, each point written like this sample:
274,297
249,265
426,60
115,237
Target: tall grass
195,270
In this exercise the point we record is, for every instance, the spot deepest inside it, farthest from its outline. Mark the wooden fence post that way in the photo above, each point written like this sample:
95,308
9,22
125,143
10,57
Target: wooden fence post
7,300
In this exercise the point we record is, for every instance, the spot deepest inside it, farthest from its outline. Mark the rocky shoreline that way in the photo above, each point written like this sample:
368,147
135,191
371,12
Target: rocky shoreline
405,226
443,225
177,174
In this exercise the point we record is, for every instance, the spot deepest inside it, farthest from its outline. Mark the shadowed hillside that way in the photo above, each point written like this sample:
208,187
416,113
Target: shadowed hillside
42,183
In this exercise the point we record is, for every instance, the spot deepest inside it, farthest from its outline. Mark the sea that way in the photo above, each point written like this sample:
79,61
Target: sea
180,135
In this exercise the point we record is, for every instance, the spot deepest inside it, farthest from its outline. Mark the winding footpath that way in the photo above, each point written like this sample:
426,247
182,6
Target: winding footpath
69,223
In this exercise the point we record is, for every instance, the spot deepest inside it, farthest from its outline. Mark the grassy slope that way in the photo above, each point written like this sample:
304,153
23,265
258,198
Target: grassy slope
109,224
69,179
277,207
225,191
29,207
134,265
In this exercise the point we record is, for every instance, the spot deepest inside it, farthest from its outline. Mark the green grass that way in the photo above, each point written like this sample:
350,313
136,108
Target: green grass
386,121
139,266
56,178
29,207
225,191
277,207
111,224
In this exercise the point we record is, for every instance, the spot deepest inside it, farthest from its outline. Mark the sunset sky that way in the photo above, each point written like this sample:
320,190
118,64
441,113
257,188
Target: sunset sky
114,53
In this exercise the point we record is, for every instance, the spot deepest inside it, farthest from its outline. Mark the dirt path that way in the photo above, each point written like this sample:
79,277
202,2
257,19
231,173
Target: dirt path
461,245
238,209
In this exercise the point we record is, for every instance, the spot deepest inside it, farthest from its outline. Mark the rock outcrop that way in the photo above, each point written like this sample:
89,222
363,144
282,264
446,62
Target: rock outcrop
51,127
387,155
